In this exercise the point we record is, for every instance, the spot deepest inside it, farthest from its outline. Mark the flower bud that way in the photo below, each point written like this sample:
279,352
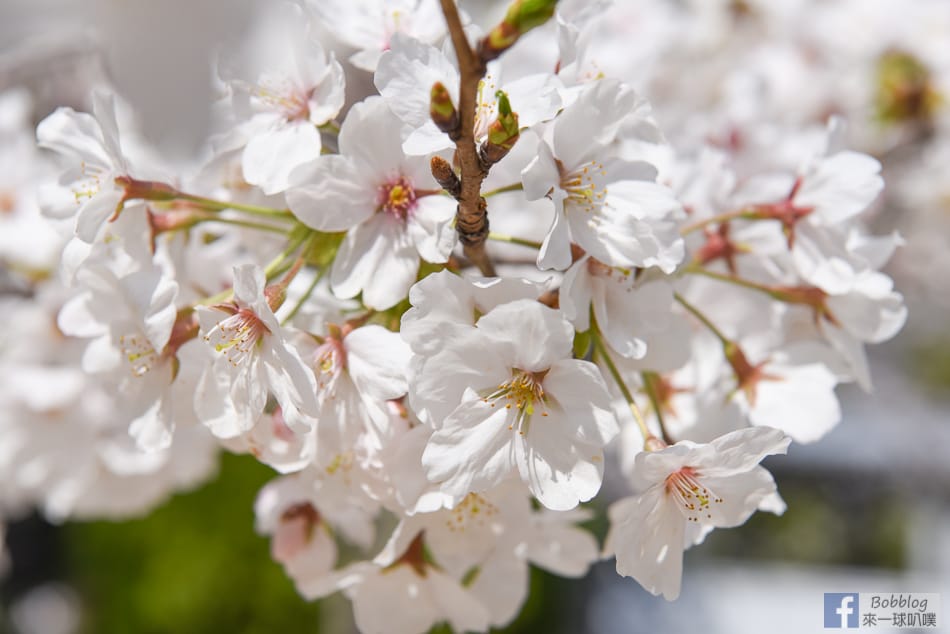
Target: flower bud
502,134
522,16
905,89
276,294
445,176
443,111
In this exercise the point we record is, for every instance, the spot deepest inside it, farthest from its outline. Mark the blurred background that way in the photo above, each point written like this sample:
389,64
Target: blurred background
868,506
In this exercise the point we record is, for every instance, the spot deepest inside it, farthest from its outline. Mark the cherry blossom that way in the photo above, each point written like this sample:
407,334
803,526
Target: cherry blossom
251,359
388,203
524,406
687,490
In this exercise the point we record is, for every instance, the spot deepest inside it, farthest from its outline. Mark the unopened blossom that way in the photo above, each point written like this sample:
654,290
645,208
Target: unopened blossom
525,407
686,490
389,204
252,359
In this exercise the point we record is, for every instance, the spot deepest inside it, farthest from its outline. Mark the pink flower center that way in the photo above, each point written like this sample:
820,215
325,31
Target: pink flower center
397,198
692,497
239,335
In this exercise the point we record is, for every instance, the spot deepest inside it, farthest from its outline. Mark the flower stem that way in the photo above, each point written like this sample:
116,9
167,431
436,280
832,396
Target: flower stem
306,295
330,126
701,317
514,187
248,224
601,351
221,205
649,387
501,237
274,267
748,213
805,295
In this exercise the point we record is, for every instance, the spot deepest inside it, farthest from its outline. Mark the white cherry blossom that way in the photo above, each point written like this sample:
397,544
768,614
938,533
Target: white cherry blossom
372,25
89,148
252,358
524,406
688,489
388,203
291,89
609,206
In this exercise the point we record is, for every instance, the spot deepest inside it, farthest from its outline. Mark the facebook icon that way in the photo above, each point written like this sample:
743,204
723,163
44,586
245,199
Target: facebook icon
841,610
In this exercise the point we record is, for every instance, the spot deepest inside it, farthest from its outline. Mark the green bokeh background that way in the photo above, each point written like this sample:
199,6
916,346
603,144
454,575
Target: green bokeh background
196,566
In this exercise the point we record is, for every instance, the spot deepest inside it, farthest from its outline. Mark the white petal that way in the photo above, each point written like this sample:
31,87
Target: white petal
592,121
336,195
575,295
802,404
405,75
742,450
358,258
248,283
646,536
541,175
377,360
371,135
75,134
473,451
271,156
430,227
94,213
555,251
634,227
740,497
536,336
396,270
580,392
840,186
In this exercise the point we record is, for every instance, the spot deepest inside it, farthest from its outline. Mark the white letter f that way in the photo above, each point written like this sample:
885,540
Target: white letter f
845,610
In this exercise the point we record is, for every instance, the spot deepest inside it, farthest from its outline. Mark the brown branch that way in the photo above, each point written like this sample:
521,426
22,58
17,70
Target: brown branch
471,218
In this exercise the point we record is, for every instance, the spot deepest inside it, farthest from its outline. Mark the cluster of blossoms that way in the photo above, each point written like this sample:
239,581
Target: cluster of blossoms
676,294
